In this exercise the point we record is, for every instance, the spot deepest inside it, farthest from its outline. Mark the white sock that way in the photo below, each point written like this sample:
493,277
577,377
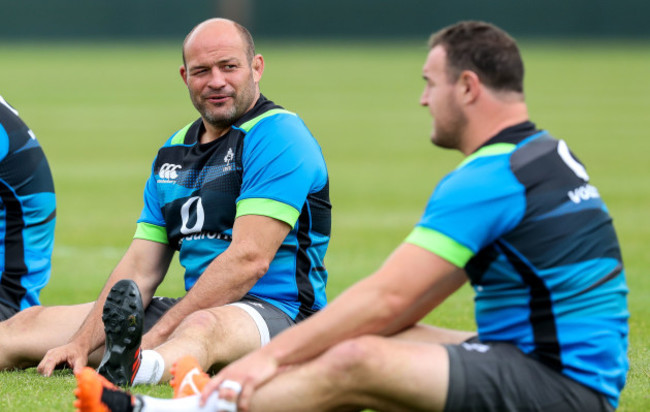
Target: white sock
152,366
186,404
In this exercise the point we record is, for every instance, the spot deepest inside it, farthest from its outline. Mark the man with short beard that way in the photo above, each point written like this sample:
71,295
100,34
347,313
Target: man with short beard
242,194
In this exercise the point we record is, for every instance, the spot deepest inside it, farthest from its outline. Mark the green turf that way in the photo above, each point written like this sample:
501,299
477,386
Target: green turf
101,112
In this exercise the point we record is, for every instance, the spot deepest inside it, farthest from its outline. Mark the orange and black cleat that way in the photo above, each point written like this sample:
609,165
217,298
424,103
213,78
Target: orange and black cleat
96,394
187,377
123,318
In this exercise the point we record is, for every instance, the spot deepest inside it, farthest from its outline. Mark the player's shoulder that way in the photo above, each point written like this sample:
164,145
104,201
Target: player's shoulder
536,148
485,174
9,115
272,120
484,162
5,107
280,128
180,137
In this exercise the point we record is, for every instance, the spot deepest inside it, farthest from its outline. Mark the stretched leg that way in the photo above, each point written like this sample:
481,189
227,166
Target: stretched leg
390,374
215,337
369,372
28,335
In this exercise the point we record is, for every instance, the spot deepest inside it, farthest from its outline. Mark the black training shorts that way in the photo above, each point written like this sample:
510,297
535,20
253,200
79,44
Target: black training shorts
6,312
269,319
497,376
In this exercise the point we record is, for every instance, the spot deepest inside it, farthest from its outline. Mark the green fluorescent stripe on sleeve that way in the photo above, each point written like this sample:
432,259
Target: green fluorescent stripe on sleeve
179,137
268,207
147,231
442,245
491,150
252,122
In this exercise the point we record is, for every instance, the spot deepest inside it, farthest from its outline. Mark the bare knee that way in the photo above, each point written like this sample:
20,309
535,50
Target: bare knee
217,335
201,323
350,360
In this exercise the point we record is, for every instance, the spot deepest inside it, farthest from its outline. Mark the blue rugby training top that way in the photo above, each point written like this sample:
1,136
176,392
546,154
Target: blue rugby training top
541,253
268,164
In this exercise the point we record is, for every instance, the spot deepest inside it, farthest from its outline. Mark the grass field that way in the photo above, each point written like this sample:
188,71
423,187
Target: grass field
101,112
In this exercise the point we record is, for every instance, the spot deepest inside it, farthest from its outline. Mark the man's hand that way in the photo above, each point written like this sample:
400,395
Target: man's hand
72,354
250,372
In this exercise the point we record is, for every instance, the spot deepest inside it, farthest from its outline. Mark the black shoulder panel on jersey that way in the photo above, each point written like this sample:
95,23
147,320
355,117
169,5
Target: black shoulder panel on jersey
560,225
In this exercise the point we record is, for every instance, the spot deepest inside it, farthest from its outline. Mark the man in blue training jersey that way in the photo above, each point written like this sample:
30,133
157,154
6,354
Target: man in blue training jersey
242,194
518,219
27,215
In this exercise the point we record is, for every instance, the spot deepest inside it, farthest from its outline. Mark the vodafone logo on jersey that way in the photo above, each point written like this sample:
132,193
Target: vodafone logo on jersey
168,171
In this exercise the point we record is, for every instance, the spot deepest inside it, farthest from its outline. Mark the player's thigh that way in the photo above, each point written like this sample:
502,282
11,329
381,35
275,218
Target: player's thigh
242,327
392,374
226,333
269,319
432,334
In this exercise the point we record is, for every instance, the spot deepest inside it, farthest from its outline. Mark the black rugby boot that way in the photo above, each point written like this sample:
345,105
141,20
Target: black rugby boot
123,318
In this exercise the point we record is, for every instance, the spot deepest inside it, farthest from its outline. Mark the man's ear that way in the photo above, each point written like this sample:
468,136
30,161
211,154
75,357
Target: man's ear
469,87
183,72
258,67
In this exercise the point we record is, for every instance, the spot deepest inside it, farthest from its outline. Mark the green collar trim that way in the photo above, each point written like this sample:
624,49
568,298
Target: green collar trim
491,150
249,124
179,137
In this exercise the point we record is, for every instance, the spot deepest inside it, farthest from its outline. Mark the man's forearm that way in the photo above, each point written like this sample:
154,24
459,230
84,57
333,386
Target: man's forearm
166,324
145,262
228,277
206,293
383,304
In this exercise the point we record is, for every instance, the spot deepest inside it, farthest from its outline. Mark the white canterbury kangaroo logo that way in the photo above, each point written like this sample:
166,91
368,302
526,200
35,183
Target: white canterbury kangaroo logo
168,171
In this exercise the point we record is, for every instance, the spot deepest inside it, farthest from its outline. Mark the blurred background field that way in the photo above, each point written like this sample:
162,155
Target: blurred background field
101,105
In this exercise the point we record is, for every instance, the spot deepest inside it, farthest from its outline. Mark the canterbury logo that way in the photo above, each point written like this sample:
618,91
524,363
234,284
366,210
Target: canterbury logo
168,171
